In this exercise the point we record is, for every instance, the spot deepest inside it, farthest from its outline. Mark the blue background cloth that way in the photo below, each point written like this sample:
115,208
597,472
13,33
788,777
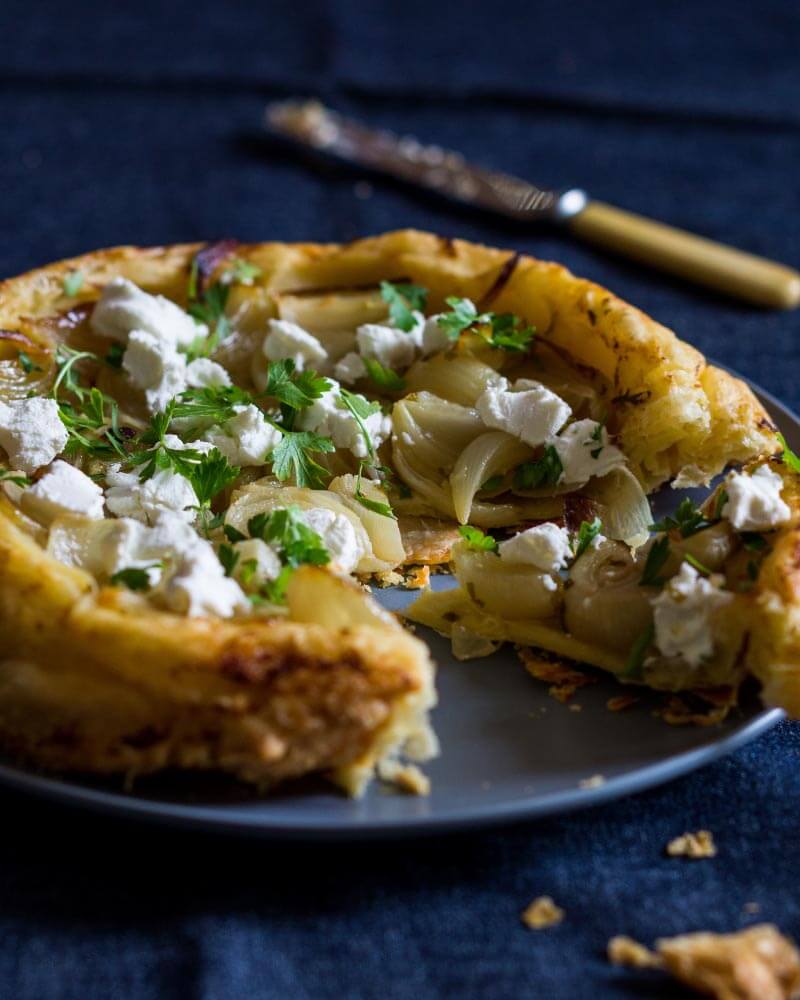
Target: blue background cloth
139,123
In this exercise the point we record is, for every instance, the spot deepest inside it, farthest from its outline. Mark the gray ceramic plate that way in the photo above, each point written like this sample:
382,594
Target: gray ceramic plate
509,751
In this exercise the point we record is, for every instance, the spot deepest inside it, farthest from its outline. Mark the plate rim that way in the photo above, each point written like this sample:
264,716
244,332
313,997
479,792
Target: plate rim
218,818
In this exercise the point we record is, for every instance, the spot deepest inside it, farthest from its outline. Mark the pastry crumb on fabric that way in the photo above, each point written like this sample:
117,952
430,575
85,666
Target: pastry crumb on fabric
621,701
406,777
564,679
752,907
541,913
755,964
623,950
595,781
677,712
418,578
693,845
387,578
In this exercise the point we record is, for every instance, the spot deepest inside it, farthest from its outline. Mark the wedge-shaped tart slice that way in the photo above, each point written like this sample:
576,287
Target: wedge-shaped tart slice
210,449
710,598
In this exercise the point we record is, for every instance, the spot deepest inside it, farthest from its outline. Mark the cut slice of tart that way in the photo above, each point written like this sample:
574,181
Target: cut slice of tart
210,449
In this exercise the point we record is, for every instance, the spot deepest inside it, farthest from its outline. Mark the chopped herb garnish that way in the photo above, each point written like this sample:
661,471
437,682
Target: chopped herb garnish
656,557
229,557
134,577
509,333
92,417
361,409
115,355
694,561
597,440
208,308
588,531
384,378
7,476
492,483
545,471
209,476
274,591
27,363
789,457
688,519
233,534
384,509
403,300
294,390
462,315
240,272
285,528
291,456
636,657
476,539
73,283
154,454
214,403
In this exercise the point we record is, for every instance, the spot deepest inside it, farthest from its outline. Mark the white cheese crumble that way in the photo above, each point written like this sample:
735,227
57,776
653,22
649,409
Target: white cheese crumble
329,417
350,368
124,307
199,586
245,439
338,536
63,489
584,450
31,432
754,502
203,373
531,412
434,337
545,546
682,614
288,340
128,496
155,367
392,347
259,561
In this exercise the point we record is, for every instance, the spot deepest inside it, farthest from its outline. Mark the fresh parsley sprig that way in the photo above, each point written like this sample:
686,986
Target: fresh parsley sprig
656,558
291,456
214,404
545,471
154,454
688,520
403,301
285,530
134,577
294,390
361,409
383,377
91,418
588,531
477,540
208,477
509,333
376,506
208,307
462,315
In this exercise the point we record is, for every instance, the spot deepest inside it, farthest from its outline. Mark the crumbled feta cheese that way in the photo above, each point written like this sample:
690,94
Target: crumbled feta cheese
128,496
434,337
393,348
533,414
155,367
288,340
545,546
199,586
258,562
350,368
63,489
124,307
245,439
754,502
31,432
329,417
203,373
584,450
682,614
338,536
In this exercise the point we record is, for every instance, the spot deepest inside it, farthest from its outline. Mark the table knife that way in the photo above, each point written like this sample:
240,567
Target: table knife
702,261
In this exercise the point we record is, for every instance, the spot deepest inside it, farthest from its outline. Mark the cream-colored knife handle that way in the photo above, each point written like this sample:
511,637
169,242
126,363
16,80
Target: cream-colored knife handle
702,261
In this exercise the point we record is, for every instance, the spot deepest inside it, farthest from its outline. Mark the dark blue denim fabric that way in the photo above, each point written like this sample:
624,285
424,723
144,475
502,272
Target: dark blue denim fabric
139,123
